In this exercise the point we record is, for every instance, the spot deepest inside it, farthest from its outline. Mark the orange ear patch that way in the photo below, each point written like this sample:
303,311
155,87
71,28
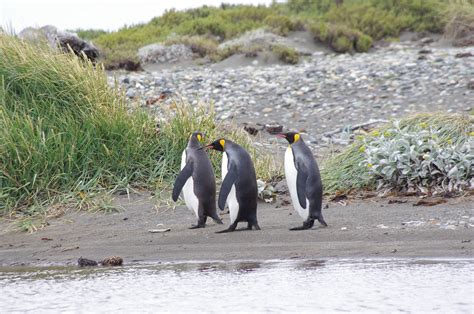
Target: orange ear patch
297,137
222,142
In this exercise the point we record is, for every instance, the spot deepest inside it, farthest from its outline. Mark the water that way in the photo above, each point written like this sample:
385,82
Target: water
273,286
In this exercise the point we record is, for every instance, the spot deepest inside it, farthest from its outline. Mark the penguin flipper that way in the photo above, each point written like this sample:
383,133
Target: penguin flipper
301,179
226,186
183,176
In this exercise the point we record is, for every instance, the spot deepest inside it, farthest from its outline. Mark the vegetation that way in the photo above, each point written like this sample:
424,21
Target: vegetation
350,26
428,161
286,54
66,136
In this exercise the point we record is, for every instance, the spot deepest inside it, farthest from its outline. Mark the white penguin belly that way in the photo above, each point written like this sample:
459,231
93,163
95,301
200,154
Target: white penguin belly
232,197
291,174
190,198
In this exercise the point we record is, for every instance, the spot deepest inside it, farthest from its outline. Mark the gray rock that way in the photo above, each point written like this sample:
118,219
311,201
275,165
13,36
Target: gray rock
156,53
63,40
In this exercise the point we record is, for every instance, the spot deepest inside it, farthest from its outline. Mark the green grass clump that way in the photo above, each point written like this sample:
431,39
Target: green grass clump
345,171
341,38
286,54
280,24
63,130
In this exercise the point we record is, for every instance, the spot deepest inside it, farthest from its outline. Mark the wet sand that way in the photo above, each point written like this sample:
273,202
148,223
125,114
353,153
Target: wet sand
370,228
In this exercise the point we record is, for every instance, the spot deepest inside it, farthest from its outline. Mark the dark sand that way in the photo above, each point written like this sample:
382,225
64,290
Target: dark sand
354,231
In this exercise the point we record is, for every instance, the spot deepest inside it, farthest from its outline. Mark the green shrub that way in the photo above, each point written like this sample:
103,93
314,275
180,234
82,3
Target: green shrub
340,38
363,43
347,170
286,54
280,24
419,158
342,44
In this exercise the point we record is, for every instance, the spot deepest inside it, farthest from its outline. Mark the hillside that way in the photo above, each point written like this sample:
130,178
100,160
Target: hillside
344,26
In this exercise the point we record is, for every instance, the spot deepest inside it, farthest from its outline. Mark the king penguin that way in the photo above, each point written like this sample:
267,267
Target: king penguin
304,180
197,181
239,184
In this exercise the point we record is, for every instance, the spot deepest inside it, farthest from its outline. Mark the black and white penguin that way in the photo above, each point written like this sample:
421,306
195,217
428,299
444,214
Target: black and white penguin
239,184
303,180
198,182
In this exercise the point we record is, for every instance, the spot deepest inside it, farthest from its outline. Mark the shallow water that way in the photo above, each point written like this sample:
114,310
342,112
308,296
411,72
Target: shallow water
273,286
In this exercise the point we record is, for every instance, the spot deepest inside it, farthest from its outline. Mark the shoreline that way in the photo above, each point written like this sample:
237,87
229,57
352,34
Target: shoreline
360,230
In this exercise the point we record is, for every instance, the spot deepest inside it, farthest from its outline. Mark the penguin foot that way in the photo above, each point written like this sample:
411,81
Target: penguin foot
226,230
255,225
308,224
197,226
218,221
303,227
322,222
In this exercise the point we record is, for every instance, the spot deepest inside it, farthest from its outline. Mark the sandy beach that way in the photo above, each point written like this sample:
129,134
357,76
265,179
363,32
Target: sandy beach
370,228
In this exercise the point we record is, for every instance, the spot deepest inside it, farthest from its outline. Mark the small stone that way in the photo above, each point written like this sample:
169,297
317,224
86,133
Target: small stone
112,261
463,55
273,128
267,110
84,262
130,93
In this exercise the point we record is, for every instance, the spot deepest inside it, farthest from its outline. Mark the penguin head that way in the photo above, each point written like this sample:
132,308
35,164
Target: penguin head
291,137
198,136
217,145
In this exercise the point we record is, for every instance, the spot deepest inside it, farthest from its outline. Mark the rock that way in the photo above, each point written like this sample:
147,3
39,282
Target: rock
156,53
463,55
273,128
130,93
84,262
251,130
470,85
112,261
267,110
66,41
129,65
427,40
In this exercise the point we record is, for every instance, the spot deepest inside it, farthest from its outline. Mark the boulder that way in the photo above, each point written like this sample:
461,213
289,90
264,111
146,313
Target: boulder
60,39
156,53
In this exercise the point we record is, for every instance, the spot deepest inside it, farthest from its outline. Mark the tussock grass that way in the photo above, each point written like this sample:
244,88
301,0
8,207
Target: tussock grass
286,54
66,136
344,172
63,130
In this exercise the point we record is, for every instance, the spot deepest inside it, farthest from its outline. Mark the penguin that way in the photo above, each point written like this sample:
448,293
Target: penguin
303,180
197,180
239,184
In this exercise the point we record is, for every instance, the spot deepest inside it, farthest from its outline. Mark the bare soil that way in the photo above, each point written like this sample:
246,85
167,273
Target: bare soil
360,229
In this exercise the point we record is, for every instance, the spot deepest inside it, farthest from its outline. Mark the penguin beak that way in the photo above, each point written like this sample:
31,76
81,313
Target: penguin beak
280,135
207,146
